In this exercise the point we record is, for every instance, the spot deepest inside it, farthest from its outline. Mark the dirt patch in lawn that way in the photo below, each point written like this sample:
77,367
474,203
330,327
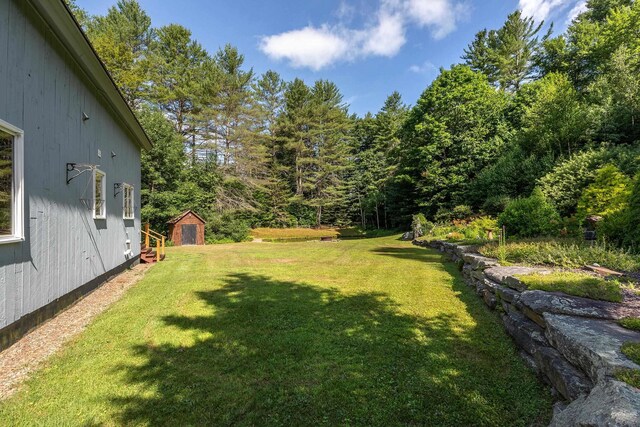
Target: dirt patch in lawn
24,357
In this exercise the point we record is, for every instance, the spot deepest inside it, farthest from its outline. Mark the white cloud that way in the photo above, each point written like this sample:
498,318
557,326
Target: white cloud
541,9
345,11
317,47
424,68
386,38
309,47
580,7
441,16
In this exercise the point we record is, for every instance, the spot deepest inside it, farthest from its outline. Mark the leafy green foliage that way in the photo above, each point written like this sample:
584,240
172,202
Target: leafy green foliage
505,55
530,216
555,120
526,110
420,225
578,284
608,194
455,130
226,228
512,175
621,226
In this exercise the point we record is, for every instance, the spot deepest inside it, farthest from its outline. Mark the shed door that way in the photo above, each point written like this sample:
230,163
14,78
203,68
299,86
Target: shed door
189,234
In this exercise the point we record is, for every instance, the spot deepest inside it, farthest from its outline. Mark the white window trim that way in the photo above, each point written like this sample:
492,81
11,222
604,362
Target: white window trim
17,216
103,215
126,187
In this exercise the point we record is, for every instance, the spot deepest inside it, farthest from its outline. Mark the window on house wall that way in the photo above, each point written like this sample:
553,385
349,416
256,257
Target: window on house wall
127,206
99,192
11,198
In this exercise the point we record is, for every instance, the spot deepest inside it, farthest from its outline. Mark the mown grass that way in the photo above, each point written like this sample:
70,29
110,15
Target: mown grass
568,253
293,233
361,332
630,376
578,284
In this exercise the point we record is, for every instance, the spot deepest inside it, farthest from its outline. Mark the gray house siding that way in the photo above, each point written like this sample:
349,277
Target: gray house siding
45,94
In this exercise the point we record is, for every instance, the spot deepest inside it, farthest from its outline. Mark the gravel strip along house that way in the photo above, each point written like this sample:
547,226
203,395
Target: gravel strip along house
70,150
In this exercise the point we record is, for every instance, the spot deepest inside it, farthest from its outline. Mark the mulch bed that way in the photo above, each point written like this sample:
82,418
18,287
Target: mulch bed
27,355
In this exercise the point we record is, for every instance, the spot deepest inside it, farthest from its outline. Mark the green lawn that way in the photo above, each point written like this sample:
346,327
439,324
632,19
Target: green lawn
360,332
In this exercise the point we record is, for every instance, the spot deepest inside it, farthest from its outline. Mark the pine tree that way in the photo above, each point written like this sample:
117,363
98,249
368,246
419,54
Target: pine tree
122,38
506,55
179,72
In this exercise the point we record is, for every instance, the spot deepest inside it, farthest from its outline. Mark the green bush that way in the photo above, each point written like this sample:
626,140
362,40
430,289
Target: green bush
621,227
608,194
461,212
495,205
420,226
477,229
530,217
564,185
226,228
569,178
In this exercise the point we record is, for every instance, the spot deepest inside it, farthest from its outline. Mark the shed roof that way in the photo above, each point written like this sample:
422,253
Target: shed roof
183,214
67,30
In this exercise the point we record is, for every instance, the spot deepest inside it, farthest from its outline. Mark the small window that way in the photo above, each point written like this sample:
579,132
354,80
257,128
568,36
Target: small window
99,192
127,202
11,198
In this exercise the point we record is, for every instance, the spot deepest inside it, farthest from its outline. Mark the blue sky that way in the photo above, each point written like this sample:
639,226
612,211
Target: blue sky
369,48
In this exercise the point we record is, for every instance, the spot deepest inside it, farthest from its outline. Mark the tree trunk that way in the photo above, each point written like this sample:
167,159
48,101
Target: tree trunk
361,212
193,149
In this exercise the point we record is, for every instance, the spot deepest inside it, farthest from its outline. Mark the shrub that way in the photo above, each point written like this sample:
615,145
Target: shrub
226,228
454,235
495,205
529,217
621,227
632,230
568,179
420,225
608,194
578,284
461,212
477,228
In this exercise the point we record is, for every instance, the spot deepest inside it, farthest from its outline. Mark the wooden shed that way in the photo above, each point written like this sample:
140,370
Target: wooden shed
187,229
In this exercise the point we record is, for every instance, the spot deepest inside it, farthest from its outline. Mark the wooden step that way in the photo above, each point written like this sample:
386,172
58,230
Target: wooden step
150,256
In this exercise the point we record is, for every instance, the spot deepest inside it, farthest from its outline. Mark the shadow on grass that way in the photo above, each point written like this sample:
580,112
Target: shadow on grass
414,253
282,353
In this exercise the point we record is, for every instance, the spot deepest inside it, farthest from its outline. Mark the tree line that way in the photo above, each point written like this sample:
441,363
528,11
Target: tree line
525,111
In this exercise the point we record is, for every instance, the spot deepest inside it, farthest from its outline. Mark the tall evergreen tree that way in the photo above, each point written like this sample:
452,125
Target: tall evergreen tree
179,68
122,38
506,55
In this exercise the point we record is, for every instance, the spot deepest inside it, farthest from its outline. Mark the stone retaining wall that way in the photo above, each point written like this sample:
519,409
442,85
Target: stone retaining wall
572,343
